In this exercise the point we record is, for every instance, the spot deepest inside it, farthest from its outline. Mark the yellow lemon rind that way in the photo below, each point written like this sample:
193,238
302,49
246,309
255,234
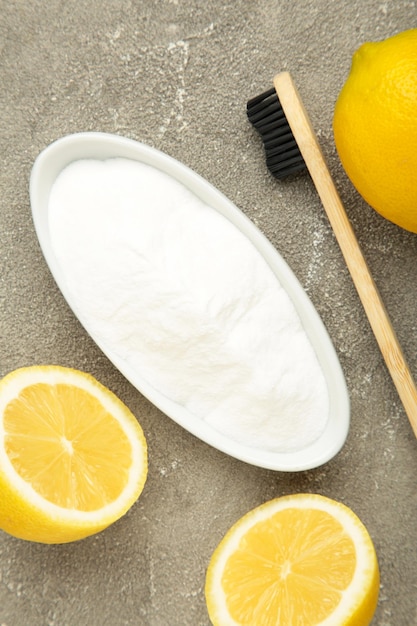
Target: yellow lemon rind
375,127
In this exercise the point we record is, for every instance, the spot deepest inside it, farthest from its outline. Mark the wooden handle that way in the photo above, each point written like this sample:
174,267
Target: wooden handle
305,136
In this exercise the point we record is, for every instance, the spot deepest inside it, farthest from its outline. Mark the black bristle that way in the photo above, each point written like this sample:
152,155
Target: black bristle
266,114
254,101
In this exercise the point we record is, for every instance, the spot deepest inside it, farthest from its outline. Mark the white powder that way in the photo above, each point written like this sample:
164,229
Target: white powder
179,293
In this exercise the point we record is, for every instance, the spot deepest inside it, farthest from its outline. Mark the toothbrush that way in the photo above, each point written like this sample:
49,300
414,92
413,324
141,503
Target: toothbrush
290,146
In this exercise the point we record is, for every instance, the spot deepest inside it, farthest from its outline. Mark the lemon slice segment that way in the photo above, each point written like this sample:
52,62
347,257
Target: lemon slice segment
300,559
73,457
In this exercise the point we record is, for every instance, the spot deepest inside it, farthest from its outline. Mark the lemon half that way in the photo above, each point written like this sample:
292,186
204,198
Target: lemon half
73,458
300,559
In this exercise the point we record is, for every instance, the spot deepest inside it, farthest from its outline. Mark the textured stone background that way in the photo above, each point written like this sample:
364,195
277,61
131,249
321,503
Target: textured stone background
176,74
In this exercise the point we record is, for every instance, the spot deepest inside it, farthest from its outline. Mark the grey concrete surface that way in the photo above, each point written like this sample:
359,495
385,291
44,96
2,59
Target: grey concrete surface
176,74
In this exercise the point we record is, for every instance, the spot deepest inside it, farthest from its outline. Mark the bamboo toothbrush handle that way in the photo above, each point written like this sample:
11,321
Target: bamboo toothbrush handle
306,139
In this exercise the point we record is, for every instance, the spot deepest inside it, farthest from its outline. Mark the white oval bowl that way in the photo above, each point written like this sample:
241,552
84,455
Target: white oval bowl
91,145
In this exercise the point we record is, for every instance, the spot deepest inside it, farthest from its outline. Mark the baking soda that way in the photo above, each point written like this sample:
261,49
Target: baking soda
180,294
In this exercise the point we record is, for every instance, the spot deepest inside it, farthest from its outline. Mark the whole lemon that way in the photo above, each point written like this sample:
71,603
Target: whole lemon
375,126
